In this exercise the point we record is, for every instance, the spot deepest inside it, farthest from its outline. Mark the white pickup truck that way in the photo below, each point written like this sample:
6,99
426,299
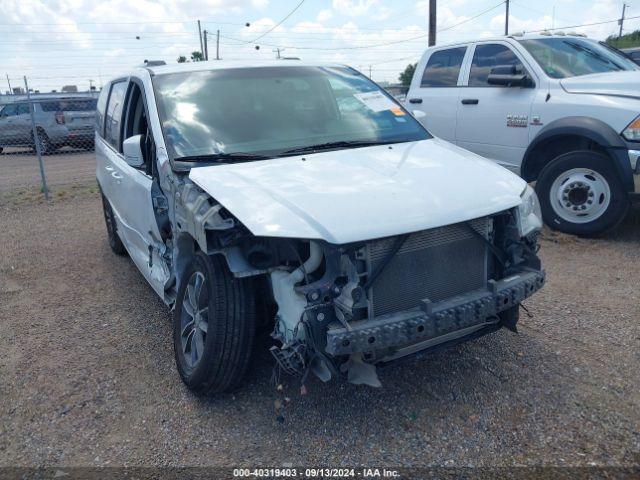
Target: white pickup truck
561,110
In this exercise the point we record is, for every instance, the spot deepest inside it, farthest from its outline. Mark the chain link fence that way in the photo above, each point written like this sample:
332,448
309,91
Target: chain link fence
46,140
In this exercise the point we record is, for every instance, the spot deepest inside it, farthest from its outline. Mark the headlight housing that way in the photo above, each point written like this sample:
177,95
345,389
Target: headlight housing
529,213
632,132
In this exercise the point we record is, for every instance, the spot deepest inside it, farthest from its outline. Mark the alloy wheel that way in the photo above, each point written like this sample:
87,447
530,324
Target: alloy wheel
194,319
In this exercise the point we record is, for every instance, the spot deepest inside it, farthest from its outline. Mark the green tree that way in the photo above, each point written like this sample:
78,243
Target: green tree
197,56
628,40
182,59
406,76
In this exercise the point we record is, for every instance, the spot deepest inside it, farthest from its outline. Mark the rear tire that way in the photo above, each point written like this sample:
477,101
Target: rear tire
112,228
580,193
213,327
46,147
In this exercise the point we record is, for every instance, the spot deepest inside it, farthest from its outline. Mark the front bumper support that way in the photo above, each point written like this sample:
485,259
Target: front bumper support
433,320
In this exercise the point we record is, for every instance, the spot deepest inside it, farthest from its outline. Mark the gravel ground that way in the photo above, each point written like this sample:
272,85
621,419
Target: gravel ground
20,169
87,374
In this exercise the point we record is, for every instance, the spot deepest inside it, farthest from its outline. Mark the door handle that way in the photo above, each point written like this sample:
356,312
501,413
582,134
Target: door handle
470,101
415,100
108,168
116,175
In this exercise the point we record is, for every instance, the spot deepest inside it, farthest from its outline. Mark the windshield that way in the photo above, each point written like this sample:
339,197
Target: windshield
572,57
272,111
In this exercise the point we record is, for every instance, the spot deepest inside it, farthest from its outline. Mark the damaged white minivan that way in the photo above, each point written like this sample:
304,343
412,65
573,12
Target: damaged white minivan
304,197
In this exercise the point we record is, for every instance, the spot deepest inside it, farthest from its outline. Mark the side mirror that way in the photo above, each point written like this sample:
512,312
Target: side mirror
509,76
132,149
418,114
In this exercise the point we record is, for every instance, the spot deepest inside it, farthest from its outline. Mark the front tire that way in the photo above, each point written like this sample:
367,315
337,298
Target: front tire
213,327
580,193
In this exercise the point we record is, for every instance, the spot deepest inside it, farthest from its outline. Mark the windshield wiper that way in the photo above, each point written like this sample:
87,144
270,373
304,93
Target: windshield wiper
340,144
224,157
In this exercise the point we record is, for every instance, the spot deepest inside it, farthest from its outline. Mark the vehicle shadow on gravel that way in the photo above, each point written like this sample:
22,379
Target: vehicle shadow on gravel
629,229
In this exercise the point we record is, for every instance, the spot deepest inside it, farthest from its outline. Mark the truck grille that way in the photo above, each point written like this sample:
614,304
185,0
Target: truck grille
432,264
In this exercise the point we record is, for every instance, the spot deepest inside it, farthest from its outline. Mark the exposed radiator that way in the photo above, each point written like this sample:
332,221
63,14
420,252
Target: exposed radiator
434,264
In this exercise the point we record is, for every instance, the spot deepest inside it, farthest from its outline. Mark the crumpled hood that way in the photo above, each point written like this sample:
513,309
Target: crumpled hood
624,84
360,194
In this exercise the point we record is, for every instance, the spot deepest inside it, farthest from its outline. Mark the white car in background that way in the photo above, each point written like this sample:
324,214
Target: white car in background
561,110
304,196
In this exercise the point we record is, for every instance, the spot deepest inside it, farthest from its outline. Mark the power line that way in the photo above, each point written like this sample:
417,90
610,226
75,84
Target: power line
579,26
471,18
359,47
279,23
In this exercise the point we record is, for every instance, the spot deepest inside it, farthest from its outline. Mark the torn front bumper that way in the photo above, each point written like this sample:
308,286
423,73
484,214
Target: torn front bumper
434,321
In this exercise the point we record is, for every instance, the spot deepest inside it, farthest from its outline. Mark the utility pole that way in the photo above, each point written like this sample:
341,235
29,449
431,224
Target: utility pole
217,45
369,71
200,36
277,52
506,19
432,23
10,91
621,22
205,53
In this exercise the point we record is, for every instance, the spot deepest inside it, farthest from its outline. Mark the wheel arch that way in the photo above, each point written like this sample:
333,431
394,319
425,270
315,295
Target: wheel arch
576,133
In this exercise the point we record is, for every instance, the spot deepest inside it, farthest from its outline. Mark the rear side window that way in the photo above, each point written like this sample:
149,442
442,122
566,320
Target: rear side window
50,106
443,68
113,121
488,57
101,108
23,109
88,105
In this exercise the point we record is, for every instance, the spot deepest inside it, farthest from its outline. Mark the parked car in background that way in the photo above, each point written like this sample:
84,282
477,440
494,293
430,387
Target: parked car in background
59,122
634,53
304,192
561,110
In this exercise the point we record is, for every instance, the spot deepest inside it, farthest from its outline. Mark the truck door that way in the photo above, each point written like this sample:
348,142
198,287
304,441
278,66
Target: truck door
435,91
493,121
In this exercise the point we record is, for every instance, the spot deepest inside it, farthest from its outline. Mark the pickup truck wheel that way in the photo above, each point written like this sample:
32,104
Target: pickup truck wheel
213,326
581,194
112,228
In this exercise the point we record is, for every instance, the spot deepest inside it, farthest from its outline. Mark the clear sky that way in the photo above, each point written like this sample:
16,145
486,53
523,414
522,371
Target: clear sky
58,42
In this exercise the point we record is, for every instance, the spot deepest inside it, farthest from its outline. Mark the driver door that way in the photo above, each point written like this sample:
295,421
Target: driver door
494,121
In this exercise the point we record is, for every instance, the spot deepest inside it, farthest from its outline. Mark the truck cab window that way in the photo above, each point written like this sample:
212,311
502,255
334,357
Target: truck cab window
487,57
443,68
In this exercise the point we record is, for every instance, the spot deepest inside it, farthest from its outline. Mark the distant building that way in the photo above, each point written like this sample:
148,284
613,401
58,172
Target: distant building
70,89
